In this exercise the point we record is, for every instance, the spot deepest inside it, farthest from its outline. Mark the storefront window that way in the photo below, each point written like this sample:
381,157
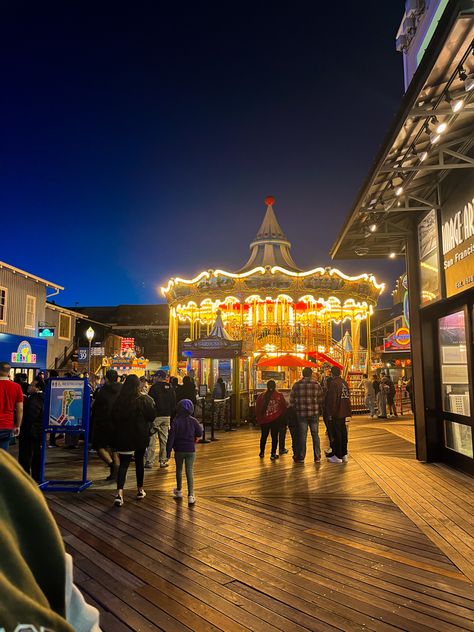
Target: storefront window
454,367
458,437
429,258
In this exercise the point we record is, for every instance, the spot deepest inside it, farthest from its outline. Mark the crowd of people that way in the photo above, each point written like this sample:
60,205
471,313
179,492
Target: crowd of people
311,398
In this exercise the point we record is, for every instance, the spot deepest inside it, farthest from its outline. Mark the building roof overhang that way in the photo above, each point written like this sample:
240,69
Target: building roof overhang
27,275
409,167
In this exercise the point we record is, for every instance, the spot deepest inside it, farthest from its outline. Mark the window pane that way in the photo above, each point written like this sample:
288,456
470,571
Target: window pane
3,304
458,437
429,258
64,326
454,367
30,312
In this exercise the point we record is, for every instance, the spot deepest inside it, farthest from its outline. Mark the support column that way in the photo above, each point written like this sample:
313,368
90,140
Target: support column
416,345
368,359
236,386
173,342
355,334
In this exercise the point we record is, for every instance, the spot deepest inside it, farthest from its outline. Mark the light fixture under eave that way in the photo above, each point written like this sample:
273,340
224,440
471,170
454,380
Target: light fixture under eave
423,156
392,255
467,79
441,128
455,104
399,191
434,137
373,227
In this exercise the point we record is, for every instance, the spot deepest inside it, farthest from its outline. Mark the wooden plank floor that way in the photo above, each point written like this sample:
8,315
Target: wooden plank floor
376,544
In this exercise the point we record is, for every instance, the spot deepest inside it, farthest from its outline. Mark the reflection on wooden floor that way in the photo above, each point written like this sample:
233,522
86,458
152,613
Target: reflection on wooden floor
382,543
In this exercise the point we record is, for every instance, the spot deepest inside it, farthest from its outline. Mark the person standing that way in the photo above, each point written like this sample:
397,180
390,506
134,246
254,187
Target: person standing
307,396
390,390
29,441
382,398
101,418
187,390
11,407
411,393
164,397
369,394
184,432
338,408
132,416
270,410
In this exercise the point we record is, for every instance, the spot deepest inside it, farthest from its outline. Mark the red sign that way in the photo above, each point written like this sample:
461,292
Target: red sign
126,345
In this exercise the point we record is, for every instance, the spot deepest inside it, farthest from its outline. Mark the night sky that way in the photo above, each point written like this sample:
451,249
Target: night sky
139,140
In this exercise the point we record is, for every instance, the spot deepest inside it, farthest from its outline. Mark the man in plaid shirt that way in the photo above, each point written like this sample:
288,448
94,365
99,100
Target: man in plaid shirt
307,397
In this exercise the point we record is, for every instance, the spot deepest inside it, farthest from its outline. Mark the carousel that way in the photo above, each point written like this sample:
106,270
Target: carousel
284,317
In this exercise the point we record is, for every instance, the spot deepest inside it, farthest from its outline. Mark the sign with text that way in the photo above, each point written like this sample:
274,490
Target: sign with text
278,376
66,404
457,221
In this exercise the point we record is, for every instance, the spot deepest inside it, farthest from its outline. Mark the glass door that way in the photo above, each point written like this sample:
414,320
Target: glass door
456,378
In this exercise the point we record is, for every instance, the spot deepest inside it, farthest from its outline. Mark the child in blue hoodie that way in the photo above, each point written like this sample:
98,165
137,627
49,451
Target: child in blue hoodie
184,431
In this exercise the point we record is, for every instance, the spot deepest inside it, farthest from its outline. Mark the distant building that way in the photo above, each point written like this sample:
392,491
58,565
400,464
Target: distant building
34,333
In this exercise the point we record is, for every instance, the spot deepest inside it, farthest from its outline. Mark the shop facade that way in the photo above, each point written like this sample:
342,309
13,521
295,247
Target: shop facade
418,202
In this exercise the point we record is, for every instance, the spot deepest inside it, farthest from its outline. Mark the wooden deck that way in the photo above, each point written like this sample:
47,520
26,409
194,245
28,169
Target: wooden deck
381,543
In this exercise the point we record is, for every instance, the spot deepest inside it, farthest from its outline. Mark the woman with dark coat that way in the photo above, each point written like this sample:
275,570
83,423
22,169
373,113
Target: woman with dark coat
187,390
101,420
29,441
270,409
132,416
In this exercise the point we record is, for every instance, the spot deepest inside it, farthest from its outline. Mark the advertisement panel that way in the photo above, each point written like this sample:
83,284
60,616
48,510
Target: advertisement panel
23,351
457,220
66,404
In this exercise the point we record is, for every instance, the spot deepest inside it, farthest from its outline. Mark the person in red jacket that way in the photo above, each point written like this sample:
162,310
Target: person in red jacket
270,410
338,408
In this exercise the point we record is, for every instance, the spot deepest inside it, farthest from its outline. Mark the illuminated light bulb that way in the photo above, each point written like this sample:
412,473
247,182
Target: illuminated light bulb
434,137
373,228
423,156
392,255
456,105
399,191
441,128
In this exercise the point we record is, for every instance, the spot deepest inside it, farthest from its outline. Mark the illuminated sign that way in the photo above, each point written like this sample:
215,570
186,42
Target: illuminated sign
46,332
23,354
127,345
458,245
398,341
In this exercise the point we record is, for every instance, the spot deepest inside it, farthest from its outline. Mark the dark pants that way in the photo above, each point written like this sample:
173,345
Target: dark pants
338,431
5,438
274,429
282,436
125,460
29,455
294,439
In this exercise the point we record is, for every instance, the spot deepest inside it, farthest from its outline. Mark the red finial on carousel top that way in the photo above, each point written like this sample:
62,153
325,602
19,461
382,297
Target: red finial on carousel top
269,200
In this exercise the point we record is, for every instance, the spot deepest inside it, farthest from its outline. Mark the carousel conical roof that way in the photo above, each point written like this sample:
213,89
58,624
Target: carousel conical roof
270,246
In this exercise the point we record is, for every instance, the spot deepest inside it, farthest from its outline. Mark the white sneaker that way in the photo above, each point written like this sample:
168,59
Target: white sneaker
334,459
177,493
164,463
191,500
148,465
345,458
141,493
118,502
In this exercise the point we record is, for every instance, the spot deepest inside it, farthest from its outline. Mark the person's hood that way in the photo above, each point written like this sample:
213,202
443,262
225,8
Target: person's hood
185,407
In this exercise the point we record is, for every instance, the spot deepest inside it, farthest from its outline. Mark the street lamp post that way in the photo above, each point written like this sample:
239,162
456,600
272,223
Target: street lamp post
90,335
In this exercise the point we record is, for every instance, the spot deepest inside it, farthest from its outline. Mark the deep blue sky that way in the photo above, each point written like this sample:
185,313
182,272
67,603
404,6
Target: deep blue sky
139,139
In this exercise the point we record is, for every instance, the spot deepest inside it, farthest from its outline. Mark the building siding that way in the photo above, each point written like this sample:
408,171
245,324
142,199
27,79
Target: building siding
18,288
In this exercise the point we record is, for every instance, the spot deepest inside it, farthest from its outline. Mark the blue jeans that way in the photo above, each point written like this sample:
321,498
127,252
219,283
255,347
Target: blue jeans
303,423
5,436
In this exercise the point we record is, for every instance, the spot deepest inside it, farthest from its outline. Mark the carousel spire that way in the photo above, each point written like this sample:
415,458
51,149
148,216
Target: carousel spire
270,246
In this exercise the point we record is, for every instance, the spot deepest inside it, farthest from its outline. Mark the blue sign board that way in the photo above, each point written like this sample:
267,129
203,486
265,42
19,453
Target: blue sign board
67,409
23,351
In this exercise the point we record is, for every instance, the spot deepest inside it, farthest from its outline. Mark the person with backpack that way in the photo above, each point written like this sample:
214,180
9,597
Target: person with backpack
270,410
132,416
183,434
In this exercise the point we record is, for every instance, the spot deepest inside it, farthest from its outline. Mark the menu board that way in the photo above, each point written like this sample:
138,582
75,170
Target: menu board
454,366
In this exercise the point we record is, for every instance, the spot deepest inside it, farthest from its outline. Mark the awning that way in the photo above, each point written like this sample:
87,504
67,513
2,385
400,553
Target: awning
286,360
409,167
